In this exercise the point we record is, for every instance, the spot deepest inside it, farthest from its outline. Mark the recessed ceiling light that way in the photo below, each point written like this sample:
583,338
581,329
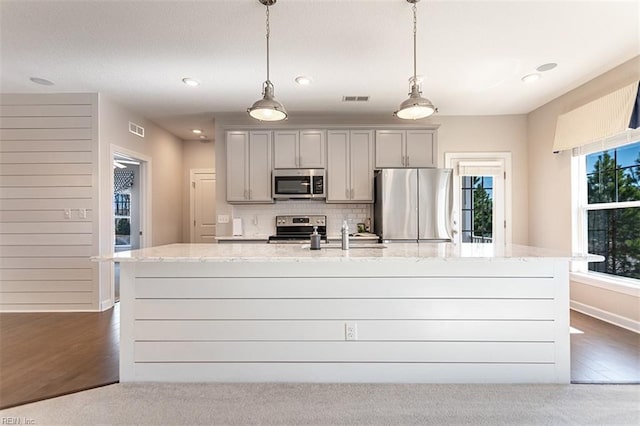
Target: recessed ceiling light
546,67
203,136
530,78
303,80
190,82
196,131
42,81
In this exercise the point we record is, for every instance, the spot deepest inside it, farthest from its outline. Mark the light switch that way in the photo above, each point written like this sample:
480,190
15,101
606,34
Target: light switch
67,213
223,218
82,213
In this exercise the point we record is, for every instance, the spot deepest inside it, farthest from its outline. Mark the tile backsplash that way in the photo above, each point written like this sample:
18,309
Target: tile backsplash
259,219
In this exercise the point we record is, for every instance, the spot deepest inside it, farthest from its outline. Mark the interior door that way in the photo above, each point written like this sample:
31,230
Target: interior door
204,207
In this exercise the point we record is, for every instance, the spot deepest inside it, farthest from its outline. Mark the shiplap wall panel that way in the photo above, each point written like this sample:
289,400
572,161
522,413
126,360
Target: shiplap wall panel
46,169
43,286
45,262
370,287
62,297
45,181
343,372
45,111
45,228
47,204
45,134
523,352
45,251
45,145
509,309
46,274
45,157
59,122
334,330
46,239
48,192
34,216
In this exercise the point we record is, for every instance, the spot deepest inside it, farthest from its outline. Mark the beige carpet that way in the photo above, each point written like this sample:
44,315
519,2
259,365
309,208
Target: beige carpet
336,404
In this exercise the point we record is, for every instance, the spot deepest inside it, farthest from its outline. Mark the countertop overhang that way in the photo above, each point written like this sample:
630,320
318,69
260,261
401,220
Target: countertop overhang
412,252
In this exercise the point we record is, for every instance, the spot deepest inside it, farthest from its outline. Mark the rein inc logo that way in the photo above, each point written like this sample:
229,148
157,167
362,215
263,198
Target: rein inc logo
16,421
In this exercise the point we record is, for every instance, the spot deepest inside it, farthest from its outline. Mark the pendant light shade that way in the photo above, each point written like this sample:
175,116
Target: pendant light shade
267,108
416,106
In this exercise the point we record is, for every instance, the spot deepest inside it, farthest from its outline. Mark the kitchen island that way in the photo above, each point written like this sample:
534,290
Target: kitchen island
423,313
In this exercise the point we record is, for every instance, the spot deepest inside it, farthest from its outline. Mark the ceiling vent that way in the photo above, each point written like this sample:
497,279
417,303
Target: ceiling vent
355,99
136,130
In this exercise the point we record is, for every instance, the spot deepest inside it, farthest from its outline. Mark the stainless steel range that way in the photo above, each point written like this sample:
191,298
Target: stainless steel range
296,229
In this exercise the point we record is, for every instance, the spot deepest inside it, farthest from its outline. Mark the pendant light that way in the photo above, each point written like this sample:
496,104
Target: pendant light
416,106
267,108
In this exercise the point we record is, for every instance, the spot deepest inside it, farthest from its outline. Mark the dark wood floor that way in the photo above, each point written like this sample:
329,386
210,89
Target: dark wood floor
603,353
43,355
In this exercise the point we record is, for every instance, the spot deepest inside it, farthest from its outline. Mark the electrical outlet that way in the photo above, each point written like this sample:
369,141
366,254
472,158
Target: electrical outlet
350,331
223,218
82,213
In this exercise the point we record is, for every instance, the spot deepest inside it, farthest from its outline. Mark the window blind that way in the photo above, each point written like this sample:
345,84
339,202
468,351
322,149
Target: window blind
480,168
603,118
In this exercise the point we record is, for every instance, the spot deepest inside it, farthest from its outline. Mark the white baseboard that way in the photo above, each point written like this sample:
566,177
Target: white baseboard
106,304
605,316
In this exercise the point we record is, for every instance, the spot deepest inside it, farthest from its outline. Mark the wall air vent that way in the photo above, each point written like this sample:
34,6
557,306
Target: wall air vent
136,130
355,99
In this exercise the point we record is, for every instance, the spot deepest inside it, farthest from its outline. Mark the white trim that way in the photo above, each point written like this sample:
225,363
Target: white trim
605,316
106,216
192,198
503,157
608,206
622,285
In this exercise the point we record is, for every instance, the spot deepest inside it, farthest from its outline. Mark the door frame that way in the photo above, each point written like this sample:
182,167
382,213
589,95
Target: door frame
192,198
106,269
451,159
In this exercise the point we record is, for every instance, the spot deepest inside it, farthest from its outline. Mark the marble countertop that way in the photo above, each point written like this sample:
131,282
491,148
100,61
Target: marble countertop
261,252
336,237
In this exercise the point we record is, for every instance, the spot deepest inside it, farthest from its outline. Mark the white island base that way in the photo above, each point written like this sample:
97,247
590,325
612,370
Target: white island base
406,314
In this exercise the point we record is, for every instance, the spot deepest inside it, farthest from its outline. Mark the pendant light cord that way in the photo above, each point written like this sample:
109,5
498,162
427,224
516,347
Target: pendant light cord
415,24
268,31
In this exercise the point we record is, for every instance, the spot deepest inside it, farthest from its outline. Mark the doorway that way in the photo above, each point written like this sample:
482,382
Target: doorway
130,181
481,197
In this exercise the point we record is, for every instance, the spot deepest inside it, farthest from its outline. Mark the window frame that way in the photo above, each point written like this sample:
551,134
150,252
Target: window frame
581,206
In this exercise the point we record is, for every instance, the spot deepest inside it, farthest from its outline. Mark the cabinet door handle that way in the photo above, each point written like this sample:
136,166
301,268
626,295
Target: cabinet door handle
407,161
249,194
245,194
346,193
300,161
352,193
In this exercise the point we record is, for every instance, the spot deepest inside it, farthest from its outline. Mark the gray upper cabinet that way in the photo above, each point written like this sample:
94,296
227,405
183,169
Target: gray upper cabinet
299,149
405,148
349,166
249,167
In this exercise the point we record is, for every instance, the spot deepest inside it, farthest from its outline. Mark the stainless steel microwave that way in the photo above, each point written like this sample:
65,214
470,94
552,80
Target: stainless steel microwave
298,183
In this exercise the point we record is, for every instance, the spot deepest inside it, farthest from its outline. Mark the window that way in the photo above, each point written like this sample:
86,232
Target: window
612,209
477,209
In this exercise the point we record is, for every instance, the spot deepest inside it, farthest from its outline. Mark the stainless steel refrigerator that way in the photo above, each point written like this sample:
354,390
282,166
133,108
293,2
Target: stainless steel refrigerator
413,204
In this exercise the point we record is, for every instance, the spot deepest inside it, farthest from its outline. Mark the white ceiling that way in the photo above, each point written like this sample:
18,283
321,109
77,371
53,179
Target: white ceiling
473,53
